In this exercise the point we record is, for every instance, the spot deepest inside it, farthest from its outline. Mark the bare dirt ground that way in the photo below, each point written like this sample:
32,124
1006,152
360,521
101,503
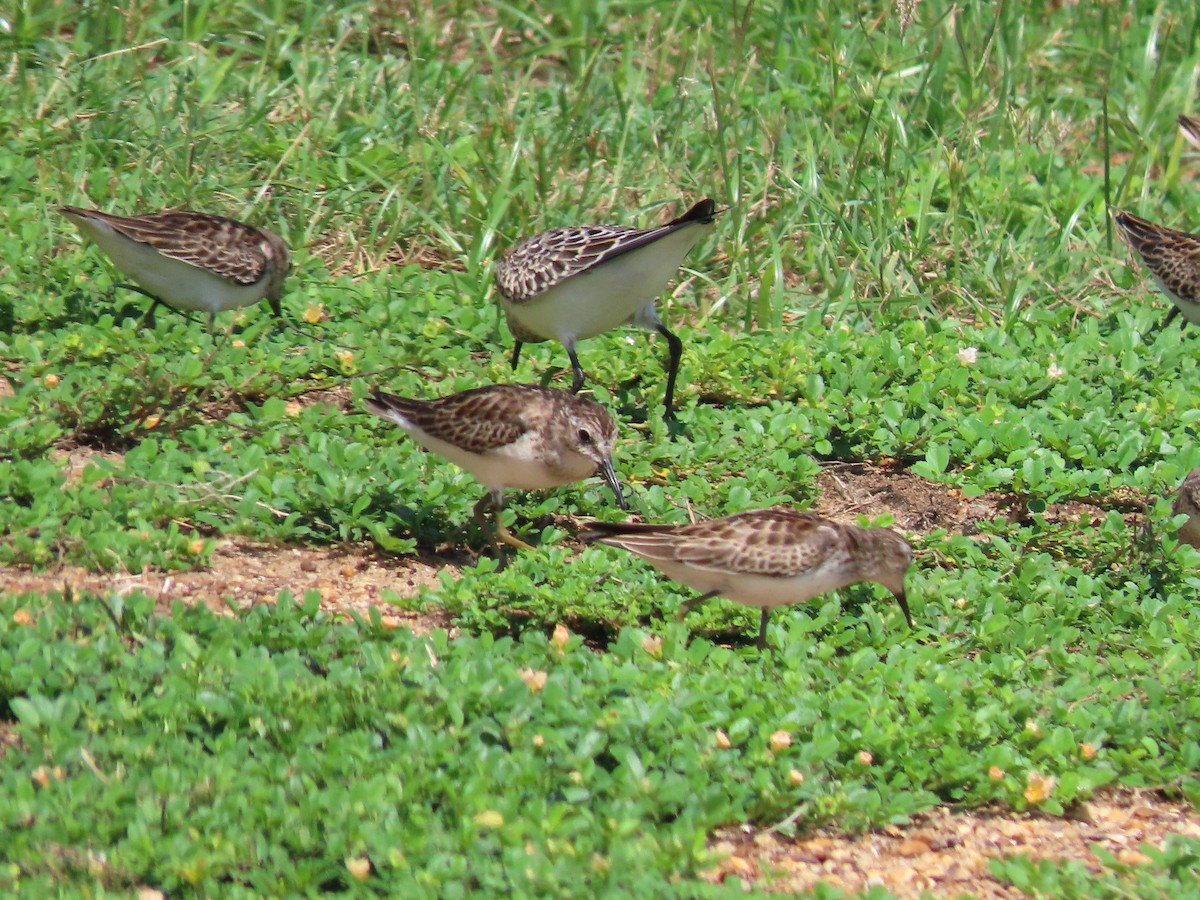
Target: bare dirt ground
244,572
943,852
920,506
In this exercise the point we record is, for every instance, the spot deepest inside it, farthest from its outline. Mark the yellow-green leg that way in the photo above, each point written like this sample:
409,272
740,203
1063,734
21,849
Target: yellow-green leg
496,531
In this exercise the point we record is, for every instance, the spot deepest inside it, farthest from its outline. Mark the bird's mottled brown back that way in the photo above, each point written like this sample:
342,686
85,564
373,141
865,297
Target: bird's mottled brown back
477,420
776,542
494,416
1172,256
538,263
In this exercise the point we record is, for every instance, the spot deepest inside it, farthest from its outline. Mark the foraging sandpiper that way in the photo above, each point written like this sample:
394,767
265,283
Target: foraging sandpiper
190,260
765,557
510,436
569,284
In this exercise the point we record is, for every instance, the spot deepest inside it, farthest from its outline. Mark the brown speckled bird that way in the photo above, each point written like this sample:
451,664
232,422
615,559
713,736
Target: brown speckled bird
765,557
569,284
1173,259
191,260
1187,502
510,435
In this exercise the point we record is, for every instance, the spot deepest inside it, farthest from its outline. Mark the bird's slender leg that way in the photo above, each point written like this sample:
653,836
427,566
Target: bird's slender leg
495,528
482,509
226,333
577,382
482,516
516,353
148,318
762,628
688,605
507,536
1171,317
675,351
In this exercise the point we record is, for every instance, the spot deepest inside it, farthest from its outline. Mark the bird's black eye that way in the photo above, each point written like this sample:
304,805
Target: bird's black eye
585,436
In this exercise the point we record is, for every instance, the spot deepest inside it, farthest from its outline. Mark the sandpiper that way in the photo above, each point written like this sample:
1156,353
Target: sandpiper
765,557
190,260
1187,501
1173,258
569,284
510,436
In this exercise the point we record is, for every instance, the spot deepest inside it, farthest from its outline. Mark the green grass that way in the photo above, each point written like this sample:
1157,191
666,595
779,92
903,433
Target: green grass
894,197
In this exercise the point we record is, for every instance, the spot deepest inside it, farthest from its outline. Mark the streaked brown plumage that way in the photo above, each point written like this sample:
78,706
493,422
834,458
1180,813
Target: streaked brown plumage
190,260
569,284
1172,258
510,435
765,557
1187,502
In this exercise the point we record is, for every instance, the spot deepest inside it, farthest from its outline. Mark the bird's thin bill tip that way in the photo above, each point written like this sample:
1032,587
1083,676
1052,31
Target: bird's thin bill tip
902,599
610,477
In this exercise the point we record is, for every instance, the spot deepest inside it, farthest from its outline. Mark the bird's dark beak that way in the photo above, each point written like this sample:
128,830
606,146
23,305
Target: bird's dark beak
902,599
606,469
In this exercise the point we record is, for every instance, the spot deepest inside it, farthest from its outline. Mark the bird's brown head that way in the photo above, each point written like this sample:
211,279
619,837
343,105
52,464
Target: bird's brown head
593,433
889,564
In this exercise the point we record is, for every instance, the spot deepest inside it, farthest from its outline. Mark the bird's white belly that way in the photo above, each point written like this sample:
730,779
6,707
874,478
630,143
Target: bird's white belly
754,590
178,284
516,465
